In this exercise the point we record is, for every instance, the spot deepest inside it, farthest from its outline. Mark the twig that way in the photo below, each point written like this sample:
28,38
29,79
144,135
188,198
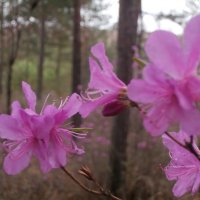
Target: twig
175,140
188,145
100,192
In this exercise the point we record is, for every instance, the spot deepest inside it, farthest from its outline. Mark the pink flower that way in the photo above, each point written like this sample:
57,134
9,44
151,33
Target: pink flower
27,133
184,166
105,88
170,86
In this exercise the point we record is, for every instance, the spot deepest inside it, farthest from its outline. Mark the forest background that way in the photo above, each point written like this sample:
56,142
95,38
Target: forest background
47,44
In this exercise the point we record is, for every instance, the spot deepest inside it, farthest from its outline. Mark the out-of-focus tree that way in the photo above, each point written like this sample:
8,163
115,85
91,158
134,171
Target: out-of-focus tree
41,56
14,29
1,43
127,33
76,61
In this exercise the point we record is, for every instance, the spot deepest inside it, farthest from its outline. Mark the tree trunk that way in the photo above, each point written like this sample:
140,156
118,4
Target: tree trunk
76,69
1,44
58,63
14,47
127,33
41,57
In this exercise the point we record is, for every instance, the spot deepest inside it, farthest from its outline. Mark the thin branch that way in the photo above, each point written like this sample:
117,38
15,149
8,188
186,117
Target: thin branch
188,145
100,192
175,140
79,183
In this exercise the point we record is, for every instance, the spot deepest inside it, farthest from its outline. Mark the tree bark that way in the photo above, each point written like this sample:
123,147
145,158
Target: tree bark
127,33
1,44
14,47
76,69
41,56
58,63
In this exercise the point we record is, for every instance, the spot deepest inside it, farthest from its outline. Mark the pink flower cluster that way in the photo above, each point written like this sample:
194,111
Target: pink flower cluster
26,133
167,95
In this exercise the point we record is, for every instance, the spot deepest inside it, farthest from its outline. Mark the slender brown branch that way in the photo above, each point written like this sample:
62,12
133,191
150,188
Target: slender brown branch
188,145
175,140
99,192
79,183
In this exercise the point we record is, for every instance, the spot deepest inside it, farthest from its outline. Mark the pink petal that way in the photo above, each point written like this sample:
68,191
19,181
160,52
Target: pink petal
41,126
142,92
180,136
89,106
194,88
172,172
153,75
189,122
10,128
41,153
15,109
183,98
73,105
184,184
13,166
57,153
157,127
164,51
196,184
29,95
99,53
100,80
159,117
191,44
38,126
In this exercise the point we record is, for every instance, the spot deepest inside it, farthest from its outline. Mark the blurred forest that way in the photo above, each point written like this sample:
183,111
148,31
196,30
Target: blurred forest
47,44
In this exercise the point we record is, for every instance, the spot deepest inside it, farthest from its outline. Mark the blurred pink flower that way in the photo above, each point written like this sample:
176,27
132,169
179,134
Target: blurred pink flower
184,167
103,140
142,145
105,88
27,133
170,86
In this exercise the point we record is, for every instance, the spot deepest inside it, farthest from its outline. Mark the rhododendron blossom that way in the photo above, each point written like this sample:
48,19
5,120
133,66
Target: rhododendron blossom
184,166
27,133
170,87
105,88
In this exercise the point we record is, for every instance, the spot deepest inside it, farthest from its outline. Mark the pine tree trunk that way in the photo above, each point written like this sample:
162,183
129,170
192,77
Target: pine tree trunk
41,57
58,63
14,48
127,33
1,44
76,69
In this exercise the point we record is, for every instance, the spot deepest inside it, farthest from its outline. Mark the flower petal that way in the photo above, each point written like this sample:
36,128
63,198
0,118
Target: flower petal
41,153
101,80
89,106
193,84
191,44
184,98
57,153
15,109
184,184
72,106
189,122
98,51
164,51
29,95
13,166
10,128
142,92
154,76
